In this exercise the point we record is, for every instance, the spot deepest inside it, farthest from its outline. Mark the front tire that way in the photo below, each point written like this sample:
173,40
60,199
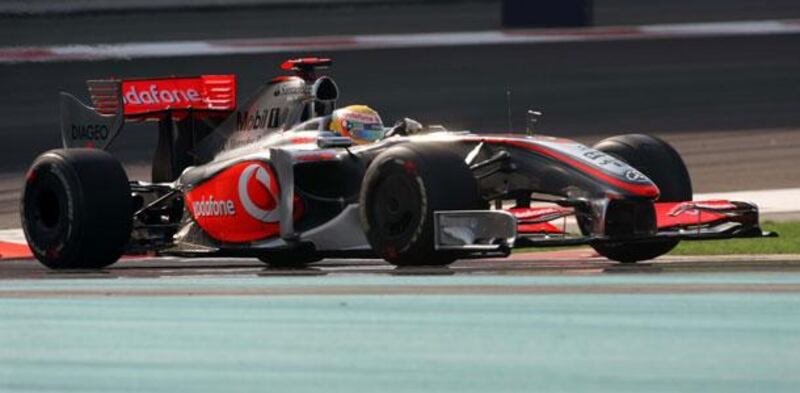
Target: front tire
402,188
660,162
76,209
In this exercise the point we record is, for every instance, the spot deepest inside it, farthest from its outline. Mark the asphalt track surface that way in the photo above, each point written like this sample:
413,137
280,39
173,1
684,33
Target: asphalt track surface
225,328
579,262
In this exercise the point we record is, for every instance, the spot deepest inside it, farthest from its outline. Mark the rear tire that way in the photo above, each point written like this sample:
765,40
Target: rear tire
76,209
402,188
660,162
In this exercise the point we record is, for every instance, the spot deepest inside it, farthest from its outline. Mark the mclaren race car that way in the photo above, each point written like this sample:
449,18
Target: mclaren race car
264,179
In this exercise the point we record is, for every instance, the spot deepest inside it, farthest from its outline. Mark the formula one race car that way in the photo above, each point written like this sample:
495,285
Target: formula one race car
262,180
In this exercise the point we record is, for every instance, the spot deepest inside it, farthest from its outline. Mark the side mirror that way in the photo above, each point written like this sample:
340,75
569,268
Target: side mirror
404,127
332,142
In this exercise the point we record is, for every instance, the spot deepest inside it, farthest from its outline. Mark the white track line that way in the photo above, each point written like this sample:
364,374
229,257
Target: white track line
15,236
135,50
781,201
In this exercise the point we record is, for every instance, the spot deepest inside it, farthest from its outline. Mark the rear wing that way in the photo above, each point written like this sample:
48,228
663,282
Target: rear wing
160,99
197,116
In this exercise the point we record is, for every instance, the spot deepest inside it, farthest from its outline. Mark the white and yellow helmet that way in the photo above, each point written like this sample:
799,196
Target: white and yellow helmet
359,122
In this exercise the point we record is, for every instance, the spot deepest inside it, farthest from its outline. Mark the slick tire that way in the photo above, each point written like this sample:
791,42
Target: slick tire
76,209
660,162
402,188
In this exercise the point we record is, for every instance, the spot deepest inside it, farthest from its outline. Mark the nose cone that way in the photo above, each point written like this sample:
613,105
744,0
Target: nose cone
637,184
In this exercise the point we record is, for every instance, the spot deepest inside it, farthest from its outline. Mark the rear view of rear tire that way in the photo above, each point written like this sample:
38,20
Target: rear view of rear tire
402,188
76,209
658,161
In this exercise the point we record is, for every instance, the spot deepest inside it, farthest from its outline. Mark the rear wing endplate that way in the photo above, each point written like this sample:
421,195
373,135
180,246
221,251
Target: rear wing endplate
84,126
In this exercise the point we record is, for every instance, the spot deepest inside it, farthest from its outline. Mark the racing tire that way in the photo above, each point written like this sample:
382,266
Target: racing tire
660,162
402,188
76,209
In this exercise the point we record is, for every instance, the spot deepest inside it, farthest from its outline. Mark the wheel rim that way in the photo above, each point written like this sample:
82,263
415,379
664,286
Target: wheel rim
396,207
47,208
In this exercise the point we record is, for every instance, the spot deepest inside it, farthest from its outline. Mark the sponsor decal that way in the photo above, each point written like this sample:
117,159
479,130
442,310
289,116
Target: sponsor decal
240,204
259,199
294,90
290,88
258,119
368,118
597,159
208,92
634,175
211,208
153,95
246,120
89,132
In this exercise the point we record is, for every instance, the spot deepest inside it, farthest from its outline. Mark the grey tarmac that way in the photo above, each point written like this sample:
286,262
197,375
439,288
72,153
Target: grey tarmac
571,263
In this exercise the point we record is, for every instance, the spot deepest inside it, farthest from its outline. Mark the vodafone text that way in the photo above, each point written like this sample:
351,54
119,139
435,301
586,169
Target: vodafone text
155,96
211,208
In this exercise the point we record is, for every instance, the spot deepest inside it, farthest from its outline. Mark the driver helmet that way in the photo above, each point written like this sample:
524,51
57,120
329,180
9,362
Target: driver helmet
359,122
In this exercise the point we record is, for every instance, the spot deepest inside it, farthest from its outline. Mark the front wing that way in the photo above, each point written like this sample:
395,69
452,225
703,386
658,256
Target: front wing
484,231
692,220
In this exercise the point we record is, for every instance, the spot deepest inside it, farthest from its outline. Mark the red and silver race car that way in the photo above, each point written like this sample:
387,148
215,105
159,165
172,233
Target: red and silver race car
263,180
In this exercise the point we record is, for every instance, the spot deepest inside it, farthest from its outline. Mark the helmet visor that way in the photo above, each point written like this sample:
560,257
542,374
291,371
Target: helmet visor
368,132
